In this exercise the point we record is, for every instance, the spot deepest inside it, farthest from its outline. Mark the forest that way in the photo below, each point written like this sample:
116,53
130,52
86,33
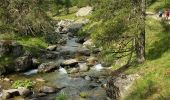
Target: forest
84,49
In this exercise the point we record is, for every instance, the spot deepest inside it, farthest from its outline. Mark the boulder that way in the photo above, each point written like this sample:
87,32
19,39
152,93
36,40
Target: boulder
119,87
23,63
50,55
10,47
47,89
48,67
83,67
84,11
70,62
7,94
24,92
88,43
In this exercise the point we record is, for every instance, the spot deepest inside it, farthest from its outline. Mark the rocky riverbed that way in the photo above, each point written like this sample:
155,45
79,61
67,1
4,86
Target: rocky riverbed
70,67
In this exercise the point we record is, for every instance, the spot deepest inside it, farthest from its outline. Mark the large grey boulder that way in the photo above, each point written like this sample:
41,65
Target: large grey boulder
23,63
84,11
48,67
10,47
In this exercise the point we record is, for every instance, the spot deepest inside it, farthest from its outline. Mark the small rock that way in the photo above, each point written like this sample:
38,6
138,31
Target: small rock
7,79
70,62
40,80
47,89
83,67
74,70
52,48
48,67
87,78
89,43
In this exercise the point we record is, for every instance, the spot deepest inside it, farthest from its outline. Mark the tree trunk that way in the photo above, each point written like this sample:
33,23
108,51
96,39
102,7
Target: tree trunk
140,40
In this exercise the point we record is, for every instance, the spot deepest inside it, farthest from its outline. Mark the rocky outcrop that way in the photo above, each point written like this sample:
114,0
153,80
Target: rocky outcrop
48,67
84,11
10,47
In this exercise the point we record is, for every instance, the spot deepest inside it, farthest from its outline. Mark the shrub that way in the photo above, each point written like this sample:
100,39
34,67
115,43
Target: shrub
22,83
62,96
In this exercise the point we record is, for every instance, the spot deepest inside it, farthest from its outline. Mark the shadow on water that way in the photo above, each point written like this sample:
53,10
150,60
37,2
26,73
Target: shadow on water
162,45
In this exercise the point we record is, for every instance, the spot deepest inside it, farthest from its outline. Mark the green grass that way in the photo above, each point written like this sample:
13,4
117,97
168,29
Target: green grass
154,83
62,96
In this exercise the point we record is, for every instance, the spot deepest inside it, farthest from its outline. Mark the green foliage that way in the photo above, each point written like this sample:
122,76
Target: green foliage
22,83
62,96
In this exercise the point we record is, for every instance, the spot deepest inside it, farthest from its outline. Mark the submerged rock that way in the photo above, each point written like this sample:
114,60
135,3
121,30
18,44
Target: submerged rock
47,89
48,67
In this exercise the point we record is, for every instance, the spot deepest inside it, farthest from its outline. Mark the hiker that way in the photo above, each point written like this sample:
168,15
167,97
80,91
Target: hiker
160,13
167,14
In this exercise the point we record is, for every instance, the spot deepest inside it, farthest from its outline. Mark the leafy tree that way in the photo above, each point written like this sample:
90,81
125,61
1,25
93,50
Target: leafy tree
120,29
